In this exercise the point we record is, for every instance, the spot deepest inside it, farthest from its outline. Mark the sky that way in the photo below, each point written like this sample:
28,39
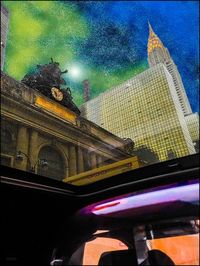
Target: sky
102,41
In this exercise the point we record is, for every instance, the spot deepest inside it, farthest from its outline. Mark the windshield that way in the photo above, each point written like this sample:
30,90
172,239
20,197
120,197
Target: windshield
92,89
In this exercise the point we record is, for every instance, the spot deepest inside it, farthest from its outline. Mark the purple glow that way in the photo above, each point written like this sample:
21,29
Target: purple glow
187,193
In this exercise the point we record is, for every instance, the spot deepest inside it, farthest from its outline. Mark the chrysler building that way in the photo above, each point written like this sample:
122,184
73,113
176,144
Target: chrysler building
158,53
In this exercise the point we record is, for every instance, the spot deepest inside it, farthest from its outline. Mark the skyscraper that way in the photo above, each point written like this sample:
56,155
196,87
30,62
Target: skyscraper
145,108
4,31
152,108
157,53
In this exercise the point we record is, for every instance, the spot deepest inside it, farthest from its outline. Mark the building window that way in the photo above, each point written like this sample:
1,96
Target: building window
55,169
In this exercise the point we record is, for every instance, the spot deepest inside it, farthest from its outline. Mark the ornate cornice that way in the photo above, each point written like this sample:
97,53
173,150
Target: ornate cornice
16,90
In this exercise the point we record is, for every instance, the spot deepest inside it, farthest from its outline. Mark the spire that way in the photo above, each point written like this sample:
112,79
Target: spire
151,32
153,41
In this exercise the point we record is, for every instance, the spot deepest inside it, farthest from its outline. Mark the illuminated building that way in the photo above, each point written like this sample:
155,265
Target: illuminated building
157,53
4,31
152,108
41,128
145,108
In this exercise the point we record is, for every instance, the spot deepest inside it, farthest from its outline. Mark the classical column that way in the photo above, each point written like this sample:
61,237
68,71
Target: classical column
22,145
97,165
93,160
80,160
66,147
33,147
87,159
72,160
99,161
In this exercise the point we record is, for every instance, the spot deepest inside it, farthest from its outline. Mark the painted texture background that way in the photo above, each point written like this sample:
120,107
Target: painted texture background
105,40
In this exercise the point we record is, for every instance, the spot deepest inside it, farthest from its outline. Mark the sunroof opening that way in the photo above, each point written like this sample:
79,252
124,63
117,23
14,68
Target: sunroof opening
93,89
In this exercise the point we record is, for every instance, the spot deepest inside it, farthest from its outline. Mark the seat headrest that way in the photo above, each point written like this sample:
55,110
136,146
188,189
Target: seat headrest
157,257
119,257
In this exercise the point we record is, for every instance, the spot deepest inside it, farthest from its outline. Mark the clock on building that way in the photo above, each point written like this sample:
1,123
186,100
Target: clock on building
57,94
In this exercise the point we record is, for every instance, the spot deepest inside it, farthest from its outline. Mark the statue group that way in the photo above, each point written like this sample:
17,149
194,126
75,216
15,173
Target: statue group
48,80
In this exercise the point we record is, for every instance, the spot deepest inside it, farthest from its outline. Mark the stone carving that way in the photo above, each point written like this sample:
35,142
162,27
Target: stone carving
47,80
82,124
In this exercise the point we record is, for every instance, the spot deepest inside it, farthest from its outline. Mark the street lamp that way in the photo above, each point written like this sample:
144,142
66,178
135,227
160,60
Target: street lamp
43,162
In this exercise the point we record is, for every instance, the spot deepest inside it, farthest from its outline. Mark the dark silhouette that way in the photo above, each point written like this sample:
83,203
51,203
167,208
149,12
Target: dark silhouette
147,155
157,258
48,77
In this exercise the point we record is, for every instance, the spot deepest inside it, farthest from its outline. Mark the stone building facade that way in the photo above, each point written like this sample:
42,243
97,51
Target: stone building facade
41,128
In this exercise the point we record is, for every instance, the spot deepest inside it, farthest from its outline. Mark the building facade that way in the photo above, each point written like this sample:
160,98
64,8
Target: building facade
145,108
157,53
35,128
4,32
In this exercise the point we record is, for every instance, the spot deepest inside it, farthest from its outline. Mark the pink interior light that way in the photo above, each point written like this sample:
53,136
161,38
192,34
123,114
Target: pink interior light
187,193
104,206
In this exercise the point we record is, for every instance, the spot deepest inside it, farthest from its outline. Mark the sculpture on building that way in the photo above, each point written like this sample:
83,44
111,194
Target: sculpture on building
48,80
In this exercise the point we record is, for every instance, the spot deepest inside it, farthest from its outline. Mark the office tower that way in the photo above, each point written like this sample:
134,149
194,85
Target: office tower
146,109
86,90
157,53
4,31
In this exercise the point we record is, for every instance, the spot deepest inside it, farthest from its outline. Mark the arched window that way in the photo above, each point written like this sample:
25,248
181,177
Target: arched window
56,165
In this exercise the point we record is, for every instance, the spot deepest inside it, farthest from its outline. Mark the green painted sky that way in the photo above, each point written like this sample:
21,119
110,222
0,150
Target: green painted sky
107,40
39,30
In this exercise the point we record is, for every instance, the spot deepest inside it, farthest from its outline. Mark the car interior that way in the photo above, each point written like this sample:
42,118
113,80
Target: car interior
46,222
99,133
